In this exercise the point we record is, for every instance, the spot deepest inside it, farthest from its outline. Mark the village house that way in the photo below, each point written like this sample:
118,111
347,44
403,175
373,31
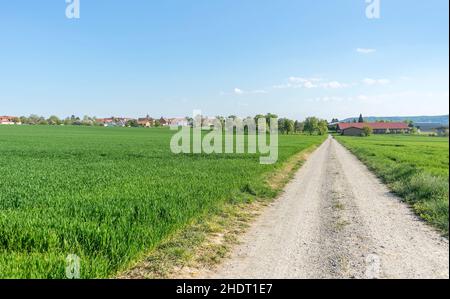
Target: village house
357,129
178,122
105,121
163,121
208,122
113,121
9,120
146,121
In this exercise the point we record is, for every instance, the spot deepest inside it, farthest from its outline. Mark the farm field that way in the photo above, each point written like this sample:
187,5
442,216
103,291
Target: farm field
415,167
109,195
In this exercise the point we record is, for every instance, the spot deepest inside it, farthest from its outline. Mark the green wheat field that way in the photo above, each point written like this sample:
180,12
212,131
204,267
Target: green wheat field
414,167
110,195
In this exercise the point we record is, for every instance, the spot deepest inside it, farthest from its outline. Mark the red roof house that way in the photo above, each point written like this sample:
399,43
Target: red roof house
356,129
9,120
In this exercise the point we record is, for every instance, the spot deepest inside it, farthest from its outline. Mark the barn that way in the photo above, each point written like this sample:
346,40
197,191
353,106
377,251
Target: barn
357,129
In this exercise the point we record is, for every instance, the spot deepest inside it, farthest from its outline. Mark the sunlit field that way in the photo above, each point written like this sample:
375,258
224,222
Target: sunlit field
109,195
415,167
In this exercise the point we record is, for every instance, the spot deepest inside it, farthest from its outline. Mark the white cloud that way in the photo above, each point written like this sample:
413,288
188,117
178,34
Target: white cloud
299,82
238,91
335,85
309,83
365,50
371,82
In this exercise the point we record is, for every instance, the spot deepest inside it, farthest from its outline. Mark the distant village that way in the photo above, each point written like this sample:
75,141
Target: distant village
94,121
355,127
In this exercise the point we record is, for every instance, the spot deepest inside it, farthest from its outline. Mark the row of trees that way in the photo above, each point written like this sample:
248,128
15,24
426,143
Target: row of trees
34,119
54,120
367,131
312,125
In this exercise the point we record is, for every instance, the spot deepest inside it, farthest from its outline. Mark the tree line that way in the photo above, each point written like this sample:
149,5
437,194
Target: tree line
54,120
311,125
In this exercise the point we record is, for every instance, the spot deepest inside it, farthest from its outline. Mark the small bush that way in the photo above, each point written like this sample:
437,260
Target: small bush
367,130
424,186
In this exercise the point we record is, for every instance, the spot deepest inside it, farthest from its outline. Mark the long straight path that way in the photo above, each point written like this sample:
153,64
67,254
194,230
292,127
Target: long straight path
337,220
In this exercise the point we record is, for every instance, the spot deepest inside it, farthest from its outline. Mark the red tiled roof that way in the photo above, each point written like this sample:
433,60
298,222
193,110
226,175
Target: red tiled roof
104,120
8,118
375,126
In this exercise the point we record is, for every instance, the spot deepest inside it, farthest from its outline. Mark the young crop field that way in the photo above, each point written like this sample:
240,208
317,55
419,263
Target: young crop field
109,195
414,167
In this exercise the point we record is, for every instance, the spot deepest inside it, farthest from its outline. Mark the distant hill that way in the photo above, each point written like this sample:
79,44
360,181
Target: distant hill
441,119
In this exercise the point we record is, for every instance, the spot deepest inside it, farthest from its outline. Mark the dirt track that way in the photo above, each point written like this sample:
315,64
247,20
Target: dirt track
336,220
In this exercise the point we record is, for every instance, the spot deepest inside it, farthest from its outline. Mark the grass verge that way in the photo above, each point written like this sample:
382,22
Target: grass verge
413,167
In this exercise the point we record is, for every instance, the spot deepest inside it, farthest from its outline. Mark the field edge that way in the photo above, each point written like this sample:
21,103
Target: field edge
201,245
419,208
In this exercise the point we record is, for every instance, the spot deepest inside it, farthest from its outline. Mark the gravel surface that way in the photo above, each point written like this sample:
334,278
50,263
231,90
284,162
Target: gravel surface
337,220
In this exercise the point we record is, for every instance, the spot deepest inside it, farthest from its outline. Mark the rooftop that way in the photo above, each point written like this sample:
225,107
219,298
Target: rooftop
375,126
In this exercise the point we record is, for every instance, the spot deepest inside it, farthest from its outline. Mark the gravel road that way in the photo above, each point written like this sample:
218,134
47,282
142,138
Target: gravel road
337,220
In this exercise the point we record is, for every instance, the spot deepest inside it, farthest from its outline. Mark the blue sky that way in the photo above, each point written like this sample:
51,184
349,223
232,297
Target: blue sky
295,58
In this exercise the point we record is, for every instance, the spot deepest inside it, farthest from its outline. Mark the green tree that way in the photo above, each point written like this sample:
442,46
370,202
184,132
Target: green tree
367,131
286,126
258,116
289,126
299,126
133,123
42,121
281,128
410,123
15,120
221,119
87,121
24,120
54,120
361,119
414,130
322,127
190,120
33,119
268,117
311,125
67,121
